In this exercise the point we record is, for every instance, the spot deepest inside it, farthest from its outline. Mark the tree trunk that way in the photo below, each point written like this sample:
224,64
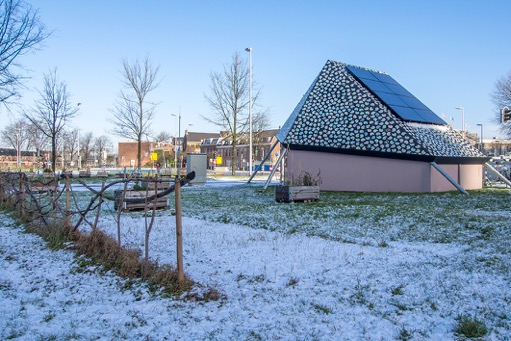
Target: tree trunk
53,154
233,158
139,152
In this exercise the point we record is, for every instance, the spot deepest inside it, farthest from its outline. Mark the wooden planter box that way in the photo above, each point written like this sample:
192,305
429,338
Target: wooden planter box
161,203
296,193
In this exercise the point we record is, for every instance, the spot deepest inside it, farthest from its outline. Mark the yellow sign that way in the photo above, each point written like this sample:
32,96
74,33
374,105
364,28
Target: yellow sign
154,156
218,160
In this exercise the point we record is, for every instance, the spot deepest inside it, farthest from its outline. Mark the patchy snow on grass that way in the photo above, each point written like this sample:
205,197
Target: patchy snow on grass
277,284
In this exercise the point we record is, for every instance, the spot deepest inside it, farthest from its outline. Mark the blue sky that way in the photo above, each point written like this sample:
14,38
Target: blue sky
447,53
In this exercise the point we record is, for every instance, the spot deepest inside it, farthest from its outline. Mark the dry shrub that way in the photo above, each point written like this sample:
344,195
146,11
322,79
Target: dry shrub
204,294
128,263
55,234
165,276
103,249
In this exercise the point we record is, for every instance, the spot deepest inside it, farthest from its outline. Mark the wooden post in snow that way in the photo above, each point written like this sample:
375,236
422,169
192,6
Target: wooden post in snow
179,232
22,196
68,203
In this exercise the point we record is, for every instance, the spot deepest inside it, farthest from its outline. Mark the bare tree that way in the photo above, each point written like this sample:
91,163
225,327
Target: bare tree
16,136
52,110
230,101
86,146
102,143
162,137
501,97
132,114
38,141
261,122
21,32
70,139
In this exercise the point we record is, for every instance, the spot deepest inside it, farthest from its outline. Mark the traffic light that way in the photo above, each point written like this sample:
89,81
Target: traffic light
506,115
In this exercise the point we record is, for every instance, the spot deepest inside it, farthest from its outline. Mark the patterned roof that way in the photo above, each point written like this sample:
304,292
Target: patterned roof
339,114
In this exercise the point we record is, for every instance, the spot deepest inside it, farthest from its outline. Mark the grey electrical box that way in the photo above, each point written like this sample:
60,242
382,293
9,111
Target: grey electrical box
197,162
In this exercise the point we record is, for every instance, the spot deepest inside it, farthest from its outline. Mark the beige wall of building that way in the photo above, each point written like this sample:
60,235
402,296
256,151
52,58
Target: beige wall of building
339,172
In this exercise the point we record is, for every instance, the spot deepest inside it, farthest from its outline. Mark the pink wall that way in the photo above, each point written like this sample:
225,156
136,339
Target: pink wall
341,172
468,176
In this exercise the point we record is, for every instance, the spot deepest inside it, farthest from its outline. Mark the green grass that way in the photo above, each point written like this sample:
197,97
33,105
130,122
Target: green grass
470,327
359,217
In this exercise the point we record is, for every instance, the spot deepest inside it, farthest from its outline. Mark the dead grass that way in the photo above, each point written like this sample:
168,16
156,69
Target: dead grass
127,263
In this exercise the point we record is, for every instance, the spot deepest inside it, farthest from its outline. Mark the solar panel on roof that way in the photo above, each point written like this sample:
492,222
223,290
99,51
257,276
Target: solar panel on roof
397,98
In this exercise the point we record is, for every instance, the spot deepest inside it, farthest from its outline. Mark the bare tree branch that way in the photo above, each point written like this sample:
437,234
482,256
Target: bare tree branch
20,33
229,101
132,115
52,110
102,143
501,97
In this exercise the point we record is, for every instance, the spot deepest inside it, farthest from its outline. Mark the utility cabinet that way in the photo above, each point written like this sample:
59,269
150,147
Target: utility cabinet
198,163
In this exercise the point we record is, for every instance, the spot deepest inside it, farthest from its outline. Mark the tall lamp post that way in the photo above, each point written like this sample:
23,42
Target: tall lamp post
481,148
462,120
79,156
249,50
179,147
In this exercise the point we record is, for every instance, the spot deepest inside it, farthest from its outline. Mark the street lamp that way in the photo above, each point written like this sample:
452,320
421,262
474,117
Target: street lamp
249,50
178,160
79,155
462,120
481,148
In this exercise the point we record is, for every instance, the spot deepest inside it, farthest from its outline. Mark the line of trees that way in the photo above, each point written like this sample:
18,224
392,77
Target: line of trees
45,125
23,136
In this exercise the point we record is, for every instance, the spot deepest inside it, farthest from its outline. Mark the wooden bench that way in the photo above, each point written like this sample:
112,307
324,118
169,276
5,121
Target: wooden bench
161,203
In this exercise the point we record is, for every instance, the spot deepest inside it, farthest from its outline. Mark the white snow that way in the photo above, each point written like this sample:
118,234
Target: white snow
276,286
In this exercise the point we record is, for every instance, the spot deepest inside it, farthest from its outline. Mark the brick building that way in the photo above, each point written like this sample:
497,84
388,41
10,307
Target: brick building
127,153
219,150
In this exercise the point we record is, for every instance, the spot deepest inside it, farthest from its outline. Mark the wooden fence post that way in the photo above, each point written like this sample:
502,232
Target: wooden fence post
179,232
2,187
22,196
68,202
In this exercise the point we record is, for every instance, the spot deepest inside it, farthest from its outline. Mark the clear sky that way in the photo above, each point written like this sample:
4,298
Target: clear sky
447,53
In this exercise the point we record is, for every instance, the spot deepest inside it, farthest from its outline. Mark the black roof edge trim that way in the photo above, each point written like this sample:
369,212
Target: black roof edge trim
462,160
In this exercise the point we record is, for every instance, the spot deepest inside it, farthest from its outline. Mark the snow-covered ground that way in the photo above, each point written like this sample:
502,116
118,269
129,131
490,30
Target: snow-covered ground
276,286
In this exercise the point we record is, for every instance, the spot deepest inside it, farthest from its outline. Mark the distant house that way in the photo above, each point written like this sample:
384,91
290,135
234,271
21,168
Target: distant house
219,149
192,141
360,130
28,159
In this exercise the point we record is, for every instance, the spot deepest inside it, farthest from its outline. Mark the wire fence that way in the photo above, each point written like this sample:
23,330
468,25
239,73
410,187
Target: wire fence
47,202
